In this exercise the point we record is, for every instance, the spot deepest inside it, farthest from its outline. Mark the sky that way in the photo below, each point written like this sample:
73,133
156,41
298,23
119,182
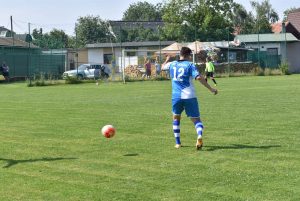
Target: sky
63,14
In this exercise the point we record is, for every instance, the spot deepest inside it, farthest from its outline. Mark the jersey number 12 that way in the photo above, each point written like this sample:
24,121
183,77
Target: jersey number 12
178,77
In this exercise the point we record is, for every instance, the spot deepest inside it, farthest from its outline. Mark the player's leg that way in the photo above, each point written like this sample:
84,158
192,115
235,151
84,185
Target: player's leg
177,108
176,130
199,129
192,111
213,78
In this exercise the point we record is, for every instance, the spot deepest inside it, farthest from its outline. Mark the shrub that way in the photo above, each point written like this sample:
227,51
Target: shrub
258,71
160,78
284,67
267,71
29,82
276,71
239,74
40,83
73,80
41,79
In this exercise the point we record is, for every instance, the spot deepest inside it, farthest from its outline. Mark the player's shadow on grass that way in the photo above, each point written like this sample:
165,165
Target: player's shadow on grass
239,146
130,154
12,162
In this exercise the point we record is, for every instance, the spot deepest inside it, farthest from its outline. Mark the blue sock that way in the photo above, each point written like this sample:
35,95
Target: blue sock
199,128
176,129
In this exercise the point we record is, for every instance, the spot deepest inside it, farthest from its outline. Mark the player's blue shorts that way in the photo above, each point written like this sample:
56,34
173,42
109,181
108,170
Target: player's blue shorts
189,105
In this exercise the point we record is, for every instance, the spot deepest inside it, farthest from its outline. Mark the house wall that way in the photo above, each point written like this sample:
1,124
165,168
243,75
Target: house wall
95,55
286,51
83,56
72,61
108,50
265,46
293,52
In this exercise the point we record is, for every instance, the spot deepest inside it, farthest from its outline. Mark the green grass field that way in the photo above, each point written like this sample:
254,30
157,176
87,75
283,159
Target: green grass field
51,146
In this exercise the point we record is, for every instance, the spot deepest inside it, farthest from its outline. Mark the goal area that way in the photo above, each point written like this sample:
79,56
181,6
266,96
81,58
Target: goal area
132,63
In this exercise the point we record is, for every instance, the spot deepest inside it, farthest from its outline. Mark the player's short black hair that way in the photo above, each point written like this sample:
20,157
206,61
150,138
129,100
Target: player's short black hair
185,51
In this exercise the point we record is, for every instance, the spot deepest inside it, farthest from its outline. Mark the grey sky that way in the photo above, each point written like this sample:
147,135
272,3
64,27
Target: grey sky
62,14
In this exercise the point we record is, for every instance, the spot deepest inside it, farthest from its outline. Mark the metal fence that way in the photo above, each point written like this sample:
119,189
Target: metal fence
264,60
26,62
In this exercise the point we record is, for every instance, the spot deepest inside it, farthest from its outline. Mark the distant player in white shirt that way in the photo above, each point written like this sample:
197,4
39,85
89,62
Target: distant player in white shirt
182,73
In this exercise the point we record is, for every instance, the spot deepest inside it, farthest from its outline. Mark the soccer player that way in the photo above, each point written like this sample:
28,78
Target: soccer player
182,73
209,70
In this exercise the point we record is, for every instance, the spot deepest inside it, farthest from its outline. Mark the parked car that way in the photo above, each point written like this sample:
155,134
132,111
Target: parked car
86,71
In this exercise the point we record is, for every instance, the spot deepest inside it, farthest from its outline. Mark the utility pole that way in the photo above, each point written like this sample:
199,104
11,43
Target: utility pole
28,62
76,54
121,51
228,54
158,28
258,49
13,43
195,53
285,48
12,30
29,29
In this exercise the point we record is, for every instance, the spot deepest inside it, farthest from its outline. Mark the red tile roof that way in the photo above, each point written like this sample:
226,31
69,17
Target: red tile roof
294,18
292,25
277,27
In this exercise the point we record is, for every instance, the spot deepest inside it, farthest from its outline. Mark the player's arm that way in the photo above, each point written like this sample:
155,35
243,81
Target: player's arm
204,83
167,60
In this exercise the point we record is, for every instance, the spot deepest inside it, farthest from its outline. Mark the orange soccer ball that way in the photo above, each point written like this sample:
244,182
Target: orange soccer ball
108,131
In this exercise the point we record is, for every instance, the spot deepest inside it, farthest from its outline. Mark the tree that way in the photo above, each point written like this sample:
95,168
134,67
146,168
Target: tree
55,39
287,11
242,21
143,11
38,37
58,39
187,20
91,29
265,15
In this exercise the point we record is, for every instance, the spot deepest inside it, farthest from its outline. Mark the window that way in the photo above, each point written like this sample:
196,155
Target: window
272,51
232,56
108,58
130,54
95,67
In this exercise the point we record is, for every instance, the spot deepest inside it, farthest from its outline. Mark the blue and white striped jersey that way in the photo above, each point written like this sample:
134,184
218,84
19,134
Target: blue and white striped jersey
182,73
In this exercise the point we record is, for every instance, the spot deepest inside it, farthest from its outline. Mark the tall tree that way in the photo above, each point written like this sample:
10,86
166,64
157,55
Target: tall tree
187,20
242,21
59,38
265,15
55,39
91,29
143,11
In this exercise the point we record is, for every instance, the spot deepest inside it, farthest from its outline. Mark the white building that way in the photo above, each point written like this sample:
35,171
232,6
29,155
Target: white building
123,54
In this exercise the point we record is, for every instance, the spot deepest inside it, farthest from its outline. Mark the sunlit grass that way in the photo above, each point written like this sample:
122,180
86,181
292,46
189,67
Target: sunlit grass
52,149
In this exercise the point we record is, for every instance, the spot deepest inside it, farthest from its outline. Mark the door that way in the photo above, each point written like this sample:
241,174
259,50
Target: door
272,58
